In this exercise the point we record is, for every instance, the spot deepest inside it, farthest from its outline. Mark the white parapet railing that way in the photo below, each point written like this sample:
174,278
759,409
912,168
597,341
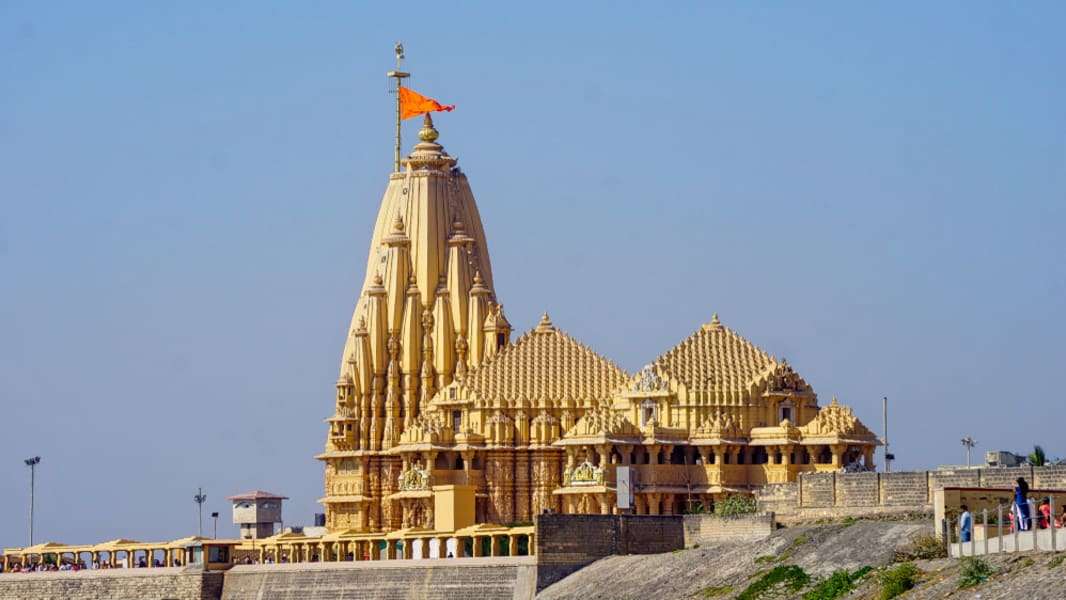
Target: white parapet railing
1010,531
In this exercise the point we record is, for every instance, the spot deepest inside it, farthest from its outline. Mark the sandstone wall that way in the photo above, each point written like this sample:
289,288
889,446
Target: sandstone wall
835,495
565,543
708,529
506,578
174,583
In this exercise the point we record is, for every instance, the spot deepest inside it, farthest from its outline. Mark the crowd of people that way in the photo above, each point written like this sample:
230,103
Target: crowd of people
44,567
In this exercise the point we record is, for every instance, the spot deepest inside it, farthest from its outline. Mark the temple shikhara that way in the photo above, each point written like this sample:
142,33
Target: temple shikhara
445,418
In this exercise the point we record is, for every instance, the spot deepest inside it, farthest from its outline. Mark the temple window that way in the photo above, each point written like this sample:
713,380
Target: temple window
459,461
784,411
759,456
648,410
677,455
457,419
825,457
501,340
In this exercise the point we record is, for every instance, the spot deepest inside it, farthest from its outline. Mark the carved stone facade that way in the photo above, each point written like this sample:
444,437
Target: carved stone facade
432,392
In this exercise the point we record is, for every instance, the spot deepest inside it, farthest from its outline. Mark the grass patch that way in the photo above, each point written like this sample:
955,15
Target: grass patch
849,521
765,559
897,580
973,572
791,578
1028,562
1056,561
923,546
836,585
716,591
734,505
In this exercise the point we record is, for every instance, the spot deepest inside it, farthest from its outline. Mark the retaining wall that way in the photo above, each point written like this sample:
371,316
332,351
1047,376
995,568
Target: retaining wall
706,529
172,583
496,578
565,543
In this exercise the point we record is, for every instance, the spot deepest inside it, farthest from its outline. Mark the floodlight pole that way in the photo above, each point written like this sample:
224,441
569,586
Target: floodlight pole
32,464
399,75
199,499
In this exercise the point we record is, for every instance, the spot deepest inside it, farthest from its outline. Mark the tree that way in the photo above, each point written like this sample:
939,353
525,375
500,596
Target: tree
1036,457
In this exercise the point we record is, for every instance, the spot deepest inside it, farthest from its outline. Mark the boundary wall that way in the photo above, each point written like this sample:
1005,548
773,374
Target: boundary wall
835,495
565,543
708,529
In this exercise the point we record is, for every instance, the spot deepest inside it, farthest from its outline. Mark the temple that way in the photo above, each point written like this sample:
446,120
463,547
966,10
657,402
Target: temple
443,422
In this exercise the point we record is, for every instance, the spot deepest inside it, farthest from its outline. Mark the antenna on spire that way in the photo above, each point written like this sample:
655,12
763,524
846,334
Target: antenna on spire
399,75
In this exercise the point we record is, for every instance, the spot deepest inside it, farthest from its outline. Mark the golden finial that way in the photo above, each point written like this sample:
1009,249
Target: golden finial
545,325
428,133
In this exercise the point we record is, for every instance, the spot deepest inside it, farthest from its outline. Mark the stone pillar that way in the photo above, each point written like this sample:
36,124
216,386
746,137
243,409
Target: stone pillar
499,477
838,455
655,457
477,545
522,489
495,549
442,547
653,503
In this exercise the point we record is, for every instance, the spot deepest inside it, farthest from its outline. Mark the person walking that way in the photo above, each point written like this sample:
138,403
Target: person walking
1021,505
965,525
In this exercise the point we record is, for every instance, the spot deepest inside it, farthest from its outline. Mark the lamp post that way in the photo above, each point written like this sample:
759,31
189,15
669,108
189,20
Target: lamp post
214,516
968,442
199,499
32,464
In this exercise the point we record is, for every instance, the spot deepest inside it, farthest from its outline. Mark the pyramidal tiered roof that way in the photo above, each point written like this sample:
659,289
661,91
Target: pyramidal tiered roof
546,365
717,359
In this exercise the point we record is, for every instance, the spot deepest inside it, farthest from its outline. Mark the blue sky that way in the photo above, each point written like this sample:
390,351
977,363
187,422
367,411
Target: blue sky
873,190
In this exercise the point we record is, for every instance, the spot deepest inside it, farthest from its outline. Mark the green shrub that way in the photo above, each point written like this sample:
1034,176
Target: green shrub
923,546
716,591
836,585
791,577
898,579
973,571
766,558
734,505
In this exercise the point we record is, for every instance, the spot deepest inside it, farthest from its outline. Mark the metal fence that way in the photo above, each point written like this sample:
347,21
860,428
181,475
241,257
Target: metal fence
1007,531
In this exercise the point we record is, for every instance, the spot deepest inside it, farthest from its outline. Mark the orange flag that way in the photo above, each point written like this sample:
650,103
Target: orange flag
413,104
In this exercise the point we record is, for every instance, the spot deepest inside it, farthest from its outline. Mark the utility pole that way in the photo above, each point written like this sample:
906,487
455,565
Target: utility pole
399,76
199,499
968,442
32,464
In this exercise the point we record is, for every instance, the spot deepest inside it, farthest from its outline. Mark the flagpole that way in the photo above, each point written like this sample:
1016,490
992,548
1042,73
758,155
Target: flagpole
399,76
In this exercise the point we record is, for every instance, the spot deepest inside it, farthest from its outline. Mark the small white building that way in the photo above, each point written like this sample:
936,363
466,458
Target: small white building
256,513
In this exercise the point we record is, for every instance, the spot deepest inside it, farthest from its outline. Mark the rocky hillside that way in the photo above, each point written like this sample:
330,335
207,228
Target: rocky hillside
800,558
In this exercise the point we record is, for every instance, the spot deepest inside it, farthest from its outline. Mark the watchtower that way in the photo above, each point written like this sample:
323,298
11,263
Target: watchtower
256,512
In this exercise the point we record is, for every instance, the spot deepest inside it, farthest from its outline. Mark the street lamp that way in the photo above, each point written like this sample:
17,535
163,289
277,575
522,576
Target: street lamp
32,464
199,499
968,442
214,516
